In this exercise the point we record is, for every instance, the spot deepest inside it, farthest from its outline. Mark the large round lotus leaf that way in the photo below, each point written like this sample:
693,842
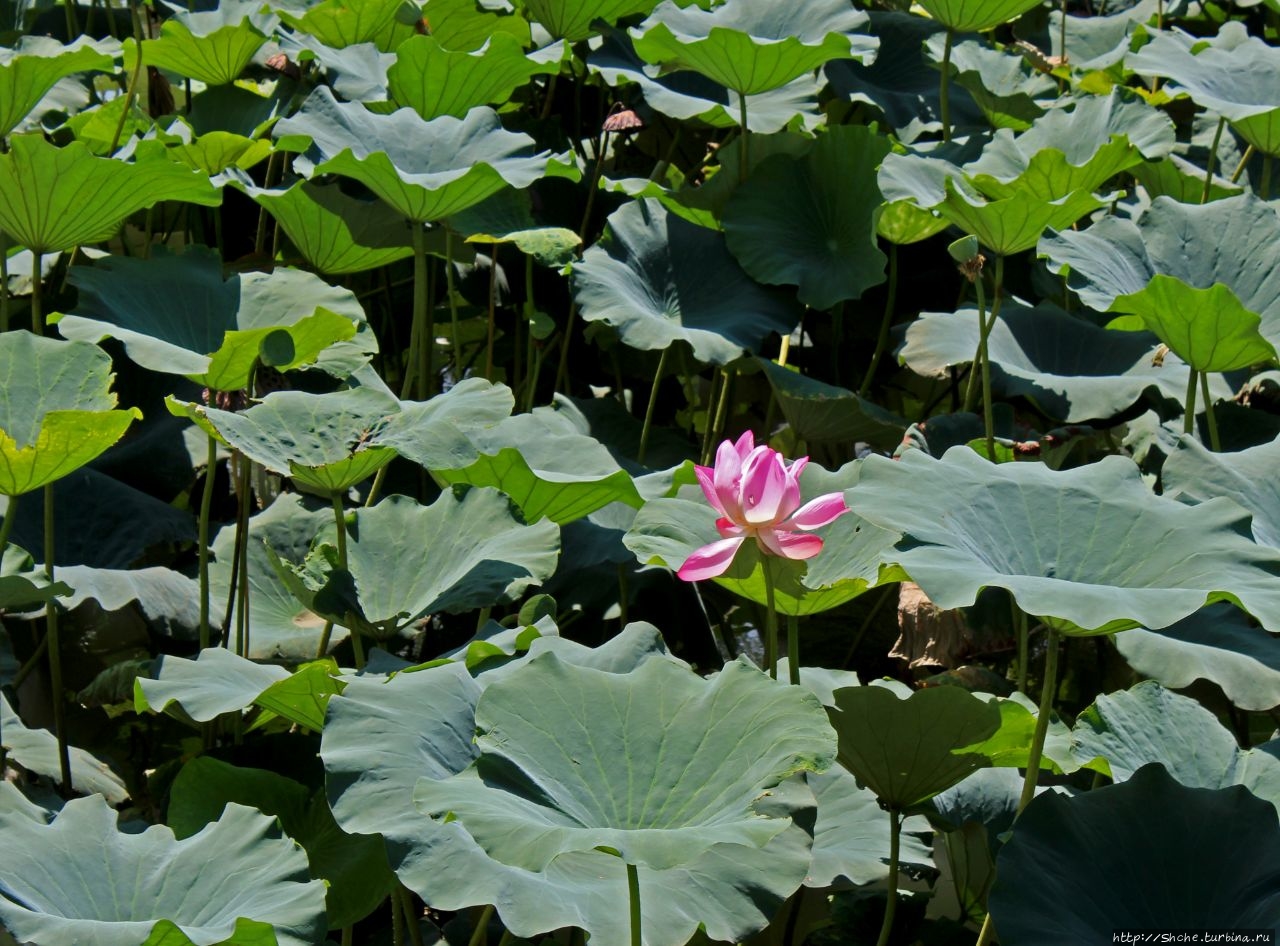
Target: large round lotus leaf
36,750
56,409
326,442
1112,263
908,750
1063,542
751,46
547,782
29,70
1232,74
1093,43
1072,369
176,314
574,20
1147,723
659,279
1137,855
212,47
434,81
976,16
464,24
1194,473
425,170
52,199
232,869
341,23
824,413
1218,644
216,682
1010,91
809,221
213,152
466,550
442,432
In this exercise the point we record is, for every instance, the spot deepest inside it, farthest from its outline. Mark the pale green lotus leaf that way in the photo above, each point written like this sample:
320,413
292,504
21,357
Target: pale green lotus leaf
212,46
976,16
343,23
29,70
37,751
435,81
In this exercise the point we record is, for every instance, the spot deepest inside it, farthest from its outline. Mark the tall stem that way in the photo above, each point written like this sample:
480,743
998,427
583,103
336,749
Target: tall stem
1264,185
423,330
770,620
975,369
1020,620
453,305
4,282
1244,160
562,369
722,409
1214,443
55,653
653,399
242,612
891,903
479,934
1213,157
493,312
633,896
708,447
944,87
793,650
6,527
744,147
886,322
1189,411
206,504
37,289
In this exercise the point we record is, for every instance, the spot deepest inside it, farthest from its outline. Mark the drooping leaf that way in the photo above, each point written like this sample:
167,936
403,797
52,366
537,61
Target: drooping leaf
37,751
507,217
212,46
22,585
1062,542
29,70
824,413
976,16
216,682
434,80
658,279
232,869
1007,89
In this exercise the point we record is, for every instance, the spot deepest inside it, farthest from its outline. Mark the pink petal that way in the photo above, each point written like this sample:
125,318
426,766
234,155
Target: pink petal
793,545
764,485
706,479
729,529
791,496
819,512
745,444
728,474
710,560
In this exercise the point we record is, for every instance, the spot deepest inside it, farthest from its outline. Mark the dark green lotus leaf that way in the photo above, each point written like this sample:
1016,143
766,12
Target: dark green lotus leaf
1131,728
52,199
434,80
808,221
56,409
22,586
1176,177
659,279
906,750
689,95
1218,644
540,787
232,869
356,73
216,682
1232,74
823,413
1061,541
1053,889
575,20
441,433
343,23
1008,90
1072,369
465,25
37,751
353,867
752,46
425,170
976,16
467,550
176,314
214,151
165,599
212,47
1115,259
1196,474
281,628
31,69
507,217
325,442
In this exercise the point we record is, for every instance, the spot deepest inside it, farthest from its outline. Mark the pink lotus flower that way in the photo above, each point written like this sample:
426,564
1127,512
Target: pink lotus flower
758,496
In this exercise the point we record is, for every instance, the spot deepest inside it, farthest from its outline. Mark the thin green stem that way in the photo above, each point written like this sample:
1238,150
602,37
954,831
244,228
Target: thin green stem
507,938
348,935
340,524
1212,421
422,329
886,322
4,283
455,348
722,410
944,87
132,91
1189,411
770,620
493,312
891,903
562,370
1213,157
58,698
411,917
1244,160
793,650
1062,43
242,612
274,165
1264,185
480,933
73,27
633,897
206,505
37,290
6,527
744,147
397,919
653,400
707,447
975,369
1048,689
1020,621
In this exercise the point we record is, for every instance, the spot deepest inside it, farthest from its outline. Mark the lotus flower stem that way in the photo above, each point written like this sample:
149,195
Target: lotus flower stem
1213,156
653,400
1189,411
886,322
423,329
206,504
1244,160
770,621
744,147
793,650
707,432
633,896
891,902
1214,443
722,405
55,654
944,87
479,934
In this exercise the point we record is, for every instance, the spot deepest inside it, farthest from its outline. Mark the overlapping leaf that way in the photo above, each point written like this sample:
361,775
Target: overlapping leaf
29,70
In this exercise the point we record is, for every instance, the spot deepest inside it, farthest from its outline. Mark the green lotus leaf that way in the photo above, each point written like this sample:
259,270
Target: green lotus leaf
52,199
976,16
324,442
212,47
823,413
752,46
166,600
1004,86
1178,178
574,20
356,73
1146,723
1069,367
688,95
440,433
353,867
1232,74
425,170
1093,43
540,787
406,561
1193,473
659,279
37,751
507,217
809,221
1218,644
176,314
433,80
1152,821
56,409
1115,259
1060,541
908,750
214,151
216,682
343,23
22,586
465,25
31,69
141,879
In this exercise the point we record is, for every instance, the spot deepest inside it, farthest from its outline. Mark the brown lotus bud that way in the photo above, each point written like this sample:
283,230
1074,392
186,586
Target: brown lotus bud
284,65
